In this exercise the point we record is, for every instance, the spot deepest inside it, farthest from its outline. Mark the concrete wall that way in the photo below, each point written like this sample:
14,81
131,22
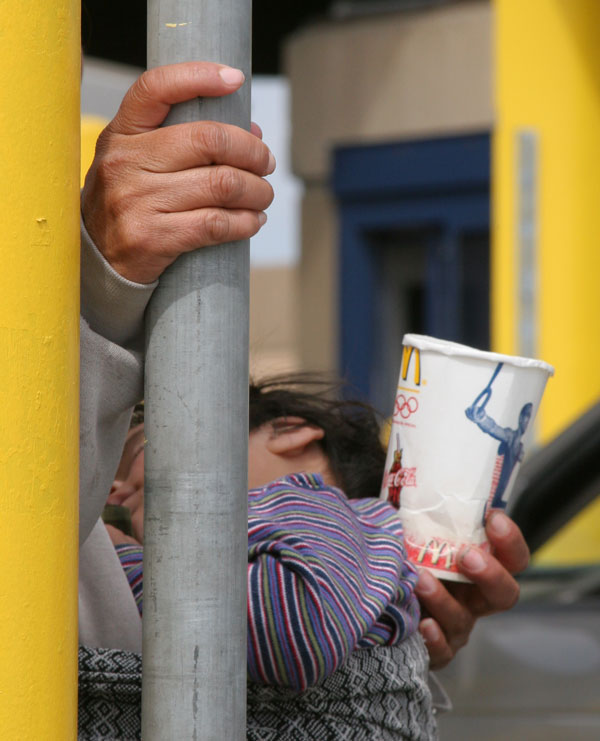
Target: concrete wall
273,320
390,77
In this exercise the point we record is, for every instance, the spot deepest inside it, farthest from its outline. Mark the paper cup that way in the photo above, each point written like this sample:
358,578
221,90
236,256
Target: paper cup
461,426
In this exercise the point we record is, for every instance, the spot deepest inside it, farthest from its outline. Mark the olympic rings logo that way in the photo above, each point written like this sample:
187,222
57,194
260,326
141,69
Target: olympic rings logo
405,406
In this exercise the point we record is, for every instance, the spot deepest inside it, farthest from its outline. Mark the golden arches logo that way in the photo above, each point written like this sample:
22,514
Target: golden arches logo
407,355
434,549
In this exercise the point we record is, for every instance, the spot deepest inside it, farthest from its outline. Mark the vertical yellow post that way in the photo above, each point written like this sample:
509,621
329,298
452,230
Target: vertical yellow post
39,359
546,186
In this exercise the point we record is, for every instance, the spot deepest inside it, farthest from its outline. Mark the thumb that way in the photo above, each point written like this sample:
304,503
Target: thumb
148,101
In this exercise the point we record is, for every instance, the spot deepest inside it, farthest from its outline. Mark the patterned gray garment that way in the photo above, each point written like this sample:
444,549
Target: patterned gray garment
110,695
379,694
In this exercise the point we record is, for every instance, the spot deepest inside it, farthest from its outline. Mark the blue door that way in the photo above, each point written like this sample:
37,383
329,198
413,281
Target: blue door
414,254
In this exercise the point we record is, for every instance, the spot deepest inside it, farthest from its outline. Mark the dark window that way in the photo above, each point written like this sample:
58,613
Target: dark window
474,297
414,252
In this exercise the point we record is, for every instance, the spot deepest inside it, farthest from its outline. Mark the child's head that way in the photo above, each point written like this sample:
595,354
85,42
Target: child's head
350,430
524,417
296,423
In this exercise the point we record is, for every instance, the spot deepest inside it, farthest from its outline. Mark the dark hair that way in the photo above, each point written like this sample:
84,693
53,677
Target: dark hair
352,441
137,416
352,428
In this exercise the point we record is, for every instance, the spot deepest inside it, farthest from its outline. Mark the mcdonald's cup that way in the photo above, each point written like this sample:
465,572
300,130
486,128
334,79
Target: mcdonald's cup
462,424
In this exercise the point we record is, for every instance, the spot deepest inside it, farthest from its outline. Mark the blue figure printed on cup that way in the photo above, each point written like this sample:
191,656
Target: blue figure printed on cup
510,451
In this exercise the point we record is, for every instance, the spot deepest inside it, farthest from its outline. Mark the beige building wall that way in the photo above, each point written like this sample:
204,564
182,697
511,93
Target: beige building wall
383,78
273,321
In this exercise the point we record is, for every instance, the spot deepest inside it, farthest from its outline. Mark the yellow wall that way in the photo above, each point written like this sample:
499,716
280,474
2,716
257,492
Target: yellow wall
91,126
548,81
575,544
39,351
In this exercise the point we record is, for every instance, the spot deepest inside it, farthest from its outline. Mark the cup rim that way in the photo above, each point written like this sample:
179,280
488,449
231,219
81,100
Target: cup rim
446,347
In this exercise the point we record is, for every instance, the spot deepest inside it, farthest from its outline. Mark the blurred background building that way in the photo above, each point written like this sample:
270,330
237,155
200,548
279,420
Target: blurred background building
449,157
440,170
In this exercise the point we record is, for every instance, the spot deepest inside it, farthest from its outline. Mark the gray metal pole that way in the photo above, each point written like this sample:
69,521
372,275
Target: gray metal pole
195,549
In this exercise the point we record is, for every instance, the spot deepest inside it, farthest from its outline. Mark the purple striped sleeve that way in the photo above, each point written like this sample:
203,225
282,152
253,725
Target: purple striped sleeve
132,561
325,576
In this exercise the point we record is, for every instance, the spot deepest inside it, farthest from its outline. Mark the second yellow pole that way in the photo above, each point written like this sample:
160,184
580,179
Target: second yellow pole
546,182
39,356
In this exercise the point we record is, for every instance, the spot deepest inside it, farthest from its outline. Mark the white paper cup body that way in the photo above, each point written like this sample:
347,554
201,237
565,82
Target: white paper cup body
462,423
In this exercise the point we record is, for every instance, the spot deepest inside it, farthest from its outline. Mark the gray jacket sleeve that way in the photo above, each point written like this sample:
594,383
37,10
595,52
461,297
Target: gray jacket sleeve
112,311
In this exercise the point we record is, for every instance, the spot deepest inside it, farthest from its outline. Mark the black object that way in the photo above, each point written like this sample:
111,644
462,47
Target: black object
558,481
114,30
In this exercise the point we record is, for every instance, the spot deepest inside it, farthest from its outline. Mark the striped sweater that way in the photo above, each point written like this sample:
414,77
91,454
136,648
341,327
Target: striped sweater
326,575
132,561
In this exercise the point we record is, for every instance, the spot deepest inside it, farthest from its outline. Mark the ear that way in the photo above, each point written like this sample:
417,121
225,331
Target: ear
292,436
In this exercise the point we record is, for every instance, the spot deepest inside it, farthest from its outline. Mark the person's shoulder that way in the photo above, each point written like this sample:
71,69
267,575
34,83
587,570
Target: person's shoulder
297,482
293,490
377,512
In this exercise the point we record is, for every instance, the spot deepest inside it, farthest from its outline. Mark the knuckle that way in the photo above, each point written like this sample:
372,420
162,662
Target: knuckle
514,598
442,658
463,627
478,605
213,139
460,641
111,166
523,561
142,87
130,237
269,194
103,142
226,184
447,656
216,225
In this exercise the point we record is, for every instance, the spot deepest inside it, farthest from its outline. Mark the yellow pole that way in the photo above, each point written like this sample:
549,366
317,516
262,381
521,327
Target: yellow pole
546,183
39,360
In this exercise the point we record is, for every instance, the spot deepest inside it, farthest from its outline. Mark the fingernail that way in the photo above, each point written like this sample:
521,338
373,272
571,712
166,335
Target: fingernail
498,524
426,583
272,164
232,76
473,560
429,631
262,218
